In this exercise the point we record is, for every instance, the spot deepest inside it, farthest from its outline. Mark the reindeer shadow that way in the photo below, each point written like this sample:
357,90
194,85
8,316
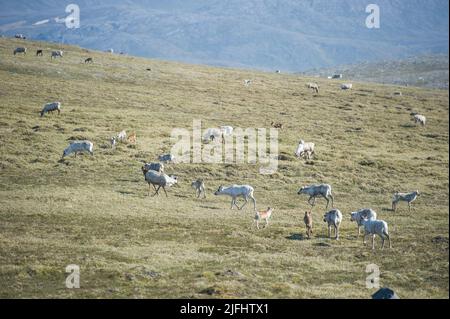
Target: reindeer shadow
296,237
128,180
322,244
125,192
209,207
387,209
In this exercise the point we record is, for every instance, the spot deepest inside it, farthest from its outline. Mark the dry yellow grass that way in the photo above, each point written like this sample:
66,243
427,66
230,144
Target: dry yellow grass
94,212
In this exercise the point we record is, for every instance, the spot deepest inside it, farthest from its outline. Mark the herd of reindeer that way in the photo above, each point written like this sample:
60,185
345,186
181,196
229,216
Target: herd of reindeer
154,175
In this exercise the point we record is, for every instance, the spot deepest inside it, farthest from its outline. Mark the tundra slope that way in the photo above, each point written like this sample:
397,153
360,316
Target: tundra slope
94,210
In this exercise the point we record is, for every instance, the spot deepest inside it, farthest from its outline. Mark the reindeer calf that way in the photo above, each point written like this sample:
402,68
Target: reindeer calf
264,214
309,224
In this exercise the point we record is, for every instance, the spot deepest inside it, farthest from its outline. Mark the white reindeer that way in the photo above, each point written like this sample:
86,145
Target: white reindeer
199,186
360,215
159,179
305,149
234,191
376,227
313,191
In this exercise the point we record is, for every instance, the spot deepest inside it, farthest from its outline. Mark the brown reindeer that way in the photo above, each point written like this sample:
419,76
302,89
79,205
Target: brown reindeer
132,138
309,224
276,125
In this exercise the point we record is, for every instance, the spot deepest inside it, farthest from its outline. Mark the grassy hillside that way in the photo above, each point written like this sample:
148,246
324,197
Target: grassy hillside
94,211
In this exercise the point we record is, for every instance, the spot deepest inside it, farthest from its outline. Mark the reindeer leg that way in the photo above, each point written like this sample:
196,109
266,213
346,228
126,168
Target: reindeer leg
235,203
254,202
246,201
157,191
389,239
164,189
328,201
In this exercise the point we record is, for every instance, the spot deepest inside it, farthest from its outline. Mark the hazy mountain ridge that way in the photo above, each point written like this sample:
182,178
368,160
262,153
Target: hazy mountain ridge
430,71
287,35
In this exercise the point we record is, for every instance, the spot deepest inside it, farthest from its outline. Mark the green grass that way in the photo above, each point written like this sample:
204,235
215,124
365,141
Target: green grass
94,212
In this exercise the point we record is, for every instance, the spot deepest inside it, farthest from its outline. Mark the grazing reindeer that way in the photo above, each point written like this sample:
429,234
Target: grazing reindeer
376,227
132,138
113,142
20,50
89,60
309,224
333,218
422,120
56,54
39,53
404,197
199,187
313,86
264,214
313,191
360,215
155,178
305,149
122,136
277,125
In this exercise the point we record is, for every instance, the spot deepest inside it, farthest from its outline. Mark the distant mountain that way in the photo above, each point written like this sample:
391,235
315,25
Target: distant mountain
430,71
290,35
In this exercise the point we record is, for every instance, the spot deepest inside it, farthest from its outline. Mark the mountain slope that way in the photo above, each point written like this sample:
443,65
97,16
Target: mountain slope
270,34
93,211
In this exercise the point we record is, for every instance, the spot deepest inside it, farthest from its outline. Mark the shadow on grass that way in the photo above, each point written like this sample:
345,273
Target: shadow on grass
125,193
296,237
322,244
209,207
128,180
63,161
